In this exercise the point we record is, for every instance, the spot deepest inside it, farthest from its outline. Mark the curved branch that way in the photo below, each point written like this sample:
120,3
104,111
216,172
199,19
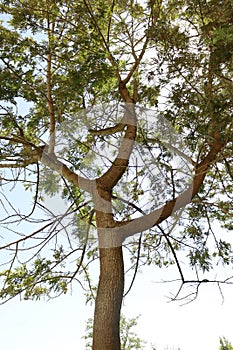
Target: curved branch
136,266
108,131
77,180
110,20
120,164
26,237
128,228
85,245
173,253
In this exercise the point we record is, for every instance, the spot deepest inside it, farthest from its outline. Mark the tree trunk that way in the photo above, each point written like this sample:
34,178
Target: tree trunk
106,330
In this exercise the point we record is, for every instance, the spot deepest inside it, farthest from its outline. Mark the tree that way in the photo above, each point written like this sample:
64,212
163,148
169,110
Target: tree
86,73
225,344
129,339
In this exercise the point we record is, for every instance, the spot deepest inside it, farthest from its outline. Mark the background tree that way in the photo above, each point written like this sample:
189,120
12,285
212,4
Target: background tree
129,339
78,78
225,344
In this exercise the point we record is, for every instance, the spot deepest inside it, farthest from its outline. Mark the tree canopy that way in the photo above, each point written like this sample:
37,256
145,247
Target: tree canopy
123,109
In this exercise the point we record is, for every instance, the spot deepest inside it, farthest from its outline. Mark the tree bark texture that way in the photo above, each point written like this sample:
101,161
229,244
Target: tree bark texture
106,333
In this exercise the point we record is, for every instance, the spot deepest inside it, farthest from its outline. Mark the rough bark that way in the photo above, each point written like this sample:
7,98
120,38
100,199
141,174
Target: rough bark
109,299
